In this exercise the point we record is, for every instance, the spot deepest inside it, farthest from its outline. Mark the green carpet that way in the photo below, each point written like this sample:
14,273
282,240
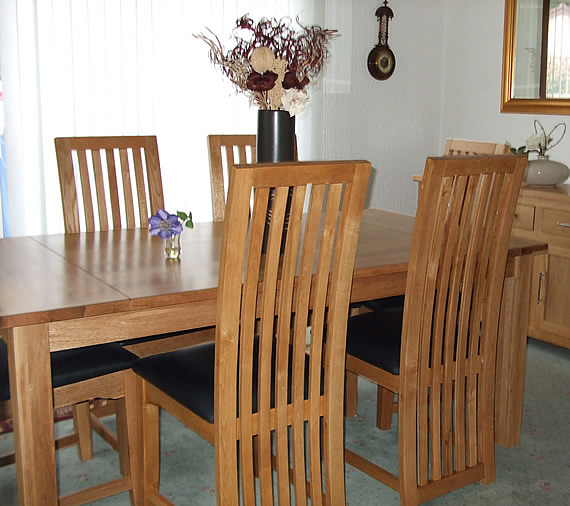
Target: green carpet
537,472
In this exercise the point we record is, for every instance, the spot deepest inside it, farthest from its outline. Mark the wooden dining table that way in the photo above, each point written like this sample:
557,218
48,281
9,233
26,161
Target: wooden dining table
72,290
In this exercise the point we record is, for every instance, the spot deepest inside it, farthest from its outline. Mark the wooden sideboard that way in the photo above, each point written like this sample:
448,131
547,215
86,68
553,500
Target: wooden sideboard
543,214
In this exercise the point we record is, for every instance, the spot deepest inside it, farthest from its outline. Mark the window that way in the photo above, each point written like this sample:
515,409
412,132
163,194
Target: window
4,224
558,52
117,67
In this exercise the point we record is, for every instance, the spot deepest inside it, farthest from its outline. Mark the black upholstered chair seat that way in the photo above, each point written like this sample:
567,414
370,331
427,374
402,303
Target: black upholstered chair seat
156,337
375,337
187,376
395,303
72,366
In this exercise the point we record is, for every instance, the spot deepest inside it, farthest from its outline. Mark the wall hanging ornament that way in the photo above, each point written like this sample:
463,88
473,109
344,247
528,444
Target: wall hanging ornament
381,60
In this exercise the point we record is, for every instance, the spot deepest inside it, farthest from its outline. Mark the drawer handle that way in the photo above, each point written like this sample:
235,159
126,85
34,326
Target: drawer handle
538,295
563,224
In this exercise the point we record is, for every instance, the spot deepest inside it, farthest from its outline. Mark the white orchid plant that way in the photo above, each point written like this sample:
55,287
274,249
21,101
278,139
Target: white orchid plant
540,142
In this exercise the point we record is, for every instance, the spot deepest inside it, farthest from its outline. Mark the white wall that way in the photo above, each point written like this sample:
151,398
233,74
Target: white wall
394,123
447,83
472,77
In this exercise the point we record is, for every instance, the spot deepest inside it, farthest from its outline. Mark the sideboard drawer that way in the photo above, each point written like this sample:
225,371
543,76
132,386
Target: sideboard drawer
524,217
556,223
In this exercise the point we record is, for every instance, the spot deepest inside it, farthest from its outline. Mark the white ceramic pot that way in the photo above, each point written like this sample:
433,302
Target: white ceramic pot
545,172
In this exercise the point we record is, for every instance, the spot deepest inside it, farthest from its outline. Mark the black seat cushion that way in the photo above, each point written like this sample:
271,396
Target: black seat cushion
72,366
157,337
187,376
395,303
375,337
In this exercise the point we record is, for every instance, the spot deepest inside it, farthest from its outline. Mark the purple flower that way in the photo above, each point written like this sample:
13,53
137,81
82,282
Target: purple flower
164,225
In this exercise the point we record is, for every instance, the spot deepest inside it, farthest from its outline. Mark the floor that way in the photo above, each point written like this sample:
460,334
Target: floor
536,472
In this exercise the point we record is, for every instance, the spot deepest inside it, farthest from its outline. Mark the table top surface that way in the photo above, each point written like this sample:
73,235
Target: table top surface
59,277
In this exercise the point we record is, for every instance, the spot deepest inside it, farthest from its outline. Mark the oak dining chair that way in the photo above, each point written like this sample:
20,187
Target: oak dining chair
387,403
107,183
439,354
259,396
96,373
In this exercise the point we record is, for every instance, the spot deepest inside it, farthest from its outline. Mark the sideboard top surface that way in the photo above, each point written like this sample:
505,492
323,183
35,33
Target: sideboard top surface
555,193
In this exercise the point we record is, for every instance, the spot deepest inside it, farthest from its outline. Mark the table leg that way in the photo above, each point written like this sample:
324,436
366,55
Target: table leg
511,354
32,408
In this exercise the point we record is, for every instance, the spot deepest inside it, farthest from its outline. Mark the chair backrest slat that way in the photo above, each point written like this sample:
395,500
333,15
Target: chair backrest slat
451,313
457,147
118,178
99,190
276,278
127,188
86,188
221,151
113,186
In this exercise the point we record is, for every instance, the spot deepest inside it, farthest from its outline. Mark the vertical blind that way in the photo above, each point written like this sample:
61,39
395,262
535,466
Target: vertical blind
124,67
558,56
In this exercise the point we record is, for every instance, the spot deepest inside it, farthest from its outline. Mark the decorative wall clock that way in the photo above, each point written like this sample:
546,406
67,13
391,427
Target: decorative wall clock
381,60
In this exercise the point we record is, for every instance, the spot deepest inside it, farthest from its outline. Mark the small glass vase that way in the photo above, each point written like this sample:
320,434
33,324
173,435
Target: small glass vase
172,247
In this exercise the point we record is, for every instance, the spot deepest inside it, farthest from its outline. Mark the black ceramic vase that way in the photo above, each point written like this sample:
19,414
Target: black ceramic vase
275,136
275,143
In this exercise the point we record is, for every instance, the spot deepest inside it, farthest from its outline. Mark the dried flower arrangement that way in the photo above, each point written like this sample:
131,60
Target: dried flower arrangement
272,63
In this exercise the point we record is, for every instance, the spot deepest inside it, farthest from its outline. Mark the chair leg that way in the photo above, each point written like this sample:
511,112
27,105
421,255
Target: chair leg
123,437
350,394
129,429
82,426
487,442
150,436
384,408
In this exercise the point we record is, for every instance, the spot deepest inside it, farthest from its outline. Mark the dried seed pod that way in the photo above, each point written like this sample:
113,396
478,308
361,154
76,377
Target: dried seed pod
262,59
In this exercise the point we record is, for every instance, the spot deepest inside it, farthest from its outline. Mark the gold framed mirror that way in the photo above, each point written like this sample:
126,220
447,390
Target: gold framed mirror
512,99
